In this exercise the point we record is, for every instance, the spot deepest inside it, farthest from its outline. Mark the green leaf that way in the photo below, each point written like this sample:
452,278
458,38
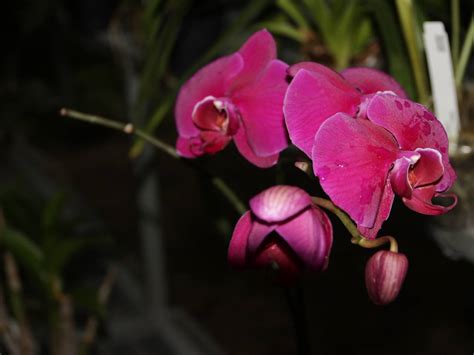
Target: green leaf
293,12
25,251
393,45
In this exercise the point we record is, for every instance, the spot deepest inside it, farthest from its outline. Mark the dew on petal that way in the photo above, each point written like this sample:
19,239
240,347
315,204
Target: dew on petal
399,105
407,104
426,129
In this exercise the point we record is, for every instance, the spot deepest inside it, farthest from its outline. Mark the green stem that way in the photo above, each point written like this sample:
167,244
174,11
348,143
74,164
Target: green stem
343,217
357,237
375,243
129,128
455,23
465,53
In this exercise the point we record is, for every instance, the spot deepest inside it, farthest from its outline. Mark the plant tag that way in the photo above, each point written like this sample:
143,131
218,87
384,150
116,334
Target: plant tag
443,87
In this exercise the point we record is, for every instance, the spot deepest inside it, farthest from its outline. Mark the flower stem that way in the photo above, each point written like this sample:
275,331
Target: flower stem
357,237
375,243
129,128
343,217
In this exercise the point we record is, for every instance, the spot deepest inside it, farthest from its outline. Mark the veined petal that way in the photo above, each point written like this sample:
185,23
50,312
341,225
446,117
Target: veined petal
370,80
413,126
352,158
257,235
212,80
421,201
241,142
309,234
257,52
279,203
237,253
311,99
260,104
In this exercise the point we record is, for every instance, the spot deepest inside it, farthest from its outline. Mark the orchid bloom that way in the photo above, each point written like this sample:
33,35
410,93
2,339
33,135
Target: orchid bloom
302,238
395,147
384,275
317,92
238,97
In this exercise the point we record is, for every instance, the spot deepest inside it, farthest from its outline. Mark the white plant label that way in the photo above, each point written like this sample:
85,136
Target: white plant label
440,68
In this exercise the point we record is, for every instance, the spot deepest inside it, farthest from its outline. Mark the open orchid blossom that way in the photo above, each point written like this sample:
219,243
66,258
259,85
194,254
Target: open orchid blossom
317,92
238,97
394,146
284,229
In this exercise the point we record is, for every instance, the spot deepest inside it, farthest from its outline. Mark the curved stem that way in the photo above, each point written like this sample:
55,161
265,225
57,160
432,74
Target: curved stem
343,217
375,243
357,237
129,128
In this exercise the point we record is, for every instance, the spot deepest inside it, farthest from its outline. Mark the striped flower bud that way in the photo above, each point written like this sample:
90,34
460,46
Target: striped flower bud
384,276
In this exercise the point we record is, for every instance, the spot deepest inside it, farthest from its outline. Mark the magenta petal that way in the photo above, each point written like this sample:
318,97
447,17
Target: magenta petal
241,142
237,254
353,167
260,104
257,53
399,176
383,212
315,68
257,235
212,80
189,147
310,236
278,203
429,168
413,127
420,201
370,81
311,99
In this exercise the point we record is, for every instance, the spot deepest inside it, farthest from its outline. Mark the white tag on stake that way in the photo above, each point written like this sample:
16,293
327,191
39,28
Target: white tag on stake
440,68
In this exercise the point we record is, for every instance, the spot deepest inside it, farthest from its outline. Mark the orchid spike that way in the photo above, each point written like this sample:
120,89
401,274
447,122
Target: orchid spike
282,229
238,97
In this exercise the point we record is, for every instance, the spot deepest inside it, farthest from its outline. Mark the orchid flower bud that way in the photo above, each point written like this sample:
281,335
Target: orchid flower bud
384,276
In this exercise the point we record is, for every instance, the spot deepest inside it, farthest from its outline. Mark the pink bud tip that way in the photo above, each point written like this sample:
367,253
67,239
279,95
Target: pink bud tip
384,276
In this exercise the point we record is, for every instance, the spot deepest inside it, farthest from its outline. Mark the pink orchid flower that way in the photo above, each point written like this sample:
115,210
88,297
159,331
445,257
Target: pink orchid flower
395,146
237,97
317,92
302,238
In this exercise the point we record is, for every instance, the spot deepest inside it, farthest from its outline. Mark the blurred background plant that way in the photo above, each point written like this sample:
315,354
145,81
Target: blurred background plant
65,185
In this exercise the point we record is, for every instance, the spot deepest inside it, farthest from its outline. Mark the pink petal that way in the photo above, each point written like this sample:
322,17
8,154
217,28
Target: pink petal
399,176
216,114
278,203
240,140
189,147
260,104
257,235
413,127
212,80
420,201
311,99
257,52
370,80
352,158
315,68
429,169
237,254
383,213
310,236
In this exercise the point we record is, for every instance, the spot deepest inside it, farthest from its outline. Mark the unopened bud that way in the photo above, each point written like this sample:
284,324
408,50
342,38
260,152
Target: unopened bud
384,276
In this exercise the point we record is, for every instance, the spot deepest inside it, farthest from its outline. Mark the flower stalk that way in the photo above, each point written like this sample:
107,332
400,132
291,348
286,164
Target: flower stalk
130,129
